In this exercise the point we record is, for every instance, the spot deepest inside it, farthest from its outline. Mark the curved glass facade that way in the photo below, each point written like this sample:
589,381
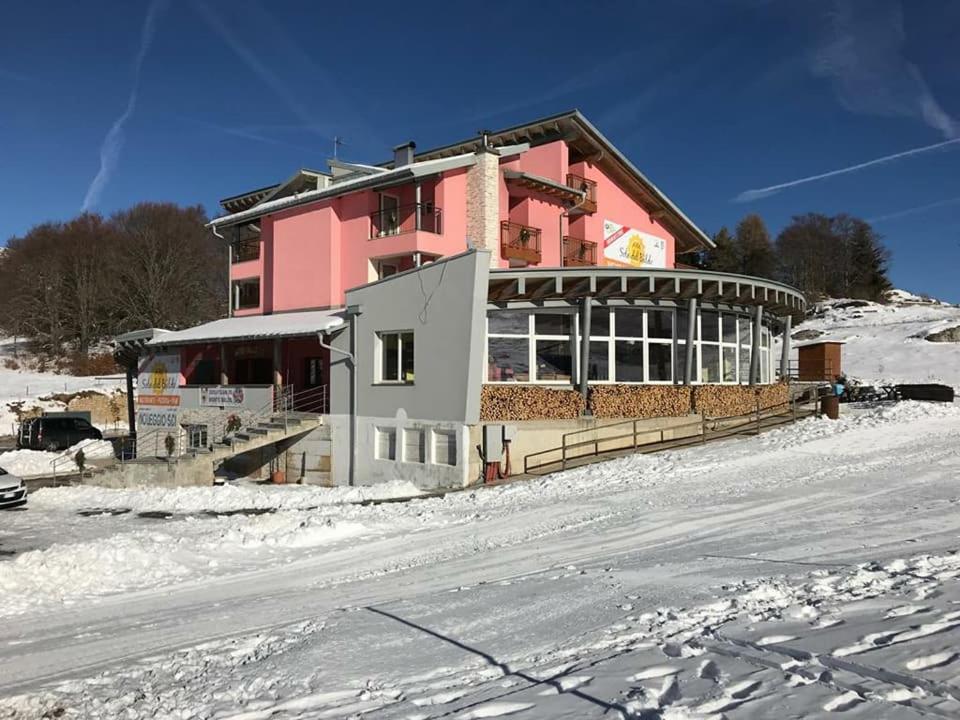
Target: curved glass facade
628,344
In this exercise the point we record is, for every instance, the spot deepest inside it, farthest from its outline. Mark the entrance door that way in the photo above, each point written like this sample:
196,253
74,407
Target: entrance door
314,378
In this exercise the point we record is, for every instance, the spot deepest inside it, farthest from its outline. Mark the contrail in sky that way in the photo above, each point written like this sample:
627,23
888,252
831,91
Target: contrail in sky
757,193
113,142
914,210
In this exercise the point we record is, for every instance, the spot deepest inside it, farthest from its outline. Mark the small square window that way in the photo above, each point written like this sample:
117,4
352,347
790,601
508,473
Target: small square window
396,357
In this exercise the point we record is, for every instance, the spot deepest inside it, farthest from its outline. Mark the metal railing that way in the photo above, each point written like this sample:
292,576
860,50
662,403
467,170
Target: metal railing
519,242
633,437
406,218
68,456
577,251
588,187
809,371
245,250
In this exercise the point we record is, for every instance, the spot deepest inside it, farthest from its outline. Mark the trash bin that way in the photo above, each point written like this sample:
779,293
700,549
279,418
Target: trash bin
278,477
830,406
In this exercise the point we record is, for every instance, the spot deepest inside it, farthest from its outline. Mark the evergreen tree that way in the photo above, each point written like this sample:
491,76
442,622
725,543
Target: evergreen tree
754,248
725,257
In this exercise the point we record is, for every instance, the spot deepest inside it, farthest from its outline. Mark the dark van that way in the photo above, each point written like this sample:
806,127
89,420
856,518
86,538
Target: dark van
55,432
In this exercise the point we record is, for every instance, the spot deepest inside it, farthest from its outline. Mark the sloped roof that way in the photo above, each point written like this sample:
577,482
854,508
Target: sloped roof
387,178
253,327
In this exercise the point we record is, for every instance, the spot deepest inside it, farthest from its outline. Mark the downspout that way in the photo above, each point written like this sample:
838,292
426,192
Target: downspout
351,356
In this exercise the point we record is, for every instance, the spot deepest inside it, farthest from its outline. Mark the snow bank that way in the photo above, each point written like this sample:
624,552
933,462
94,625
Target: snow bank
28,463
64,574
224,498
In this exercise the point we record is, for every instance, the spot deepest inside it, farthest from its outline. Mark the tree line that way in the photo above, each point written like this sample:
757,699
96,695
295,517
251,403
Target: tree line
66,287
839,256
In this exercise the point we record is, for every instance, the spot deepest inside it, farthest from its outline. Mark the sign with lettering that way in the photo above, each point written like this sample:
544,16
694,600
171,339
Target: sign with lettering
628,247
221,396
150,418
158,379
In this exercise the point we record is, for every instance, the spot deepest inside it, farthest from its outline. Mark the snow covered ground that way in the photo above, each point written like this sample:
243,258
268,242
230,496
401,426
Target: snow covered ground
803,573
885,344
29,463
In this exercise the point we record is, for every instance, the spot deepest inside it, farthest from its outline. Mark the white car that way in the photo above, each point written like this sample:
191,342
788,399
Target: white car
12,491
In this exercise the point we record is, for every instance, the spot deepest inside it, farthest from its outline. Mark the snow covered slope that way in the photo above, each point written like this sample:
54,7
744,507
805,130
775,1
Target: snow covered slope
886,343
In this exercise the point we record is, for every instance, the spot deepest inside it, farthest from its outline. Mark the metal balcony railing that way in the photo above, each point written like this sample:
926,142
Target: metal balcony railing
406,218
577,251
588,187
520,242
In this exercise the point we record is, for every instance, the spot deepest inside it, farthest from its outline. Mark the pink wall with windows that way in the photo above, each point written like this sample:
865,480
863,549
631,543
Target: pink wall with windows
614,204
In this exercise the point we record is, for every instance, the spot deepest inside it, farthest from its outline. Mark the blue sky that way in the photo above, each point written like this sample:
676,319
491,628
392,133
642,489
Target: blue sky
107,104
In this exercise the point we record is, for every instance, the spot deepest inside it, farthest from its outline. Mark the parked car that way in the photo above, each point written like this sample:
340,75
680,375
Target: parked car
55,432
12,491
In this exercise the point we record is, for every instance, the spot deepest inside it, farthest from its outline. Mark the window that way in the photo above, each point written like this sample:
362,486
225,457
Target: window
246,294
386,448
389,221
445,447
313,372
414,445
525,346
396,357
196,436
245,245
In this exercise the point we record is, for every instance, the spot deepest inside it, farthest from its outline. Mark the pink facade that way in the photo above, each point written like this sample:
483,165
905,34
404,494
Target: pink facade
310,255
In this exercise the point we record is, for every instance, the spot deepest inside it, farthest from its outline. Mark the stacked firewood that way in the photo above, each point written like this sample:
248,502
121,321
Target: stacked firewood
726,400
529,402
639,401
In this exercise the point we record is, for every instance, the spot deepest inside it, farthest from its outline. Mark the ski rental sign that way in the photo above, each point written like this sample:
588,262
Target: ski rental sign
629,247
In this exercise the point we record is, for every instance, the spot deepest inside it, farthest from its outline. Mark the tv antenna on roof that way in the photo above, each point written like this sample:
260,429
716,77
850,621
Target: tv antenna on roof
337,142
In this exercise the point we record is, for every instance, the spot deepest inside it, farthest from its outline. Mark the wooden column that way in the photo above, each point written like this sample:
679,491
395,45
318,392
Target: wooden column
277,362
224,374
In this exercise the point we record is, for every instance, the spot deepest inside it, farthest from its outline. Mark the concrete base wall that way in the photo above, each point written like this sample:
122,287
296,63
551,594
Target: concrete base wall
538,436
372,468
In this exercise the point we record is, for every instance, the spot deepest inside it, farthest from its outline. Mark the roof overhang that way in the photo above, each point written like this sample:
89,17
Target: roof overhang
407,173
539,286
252,327
589,144
544,186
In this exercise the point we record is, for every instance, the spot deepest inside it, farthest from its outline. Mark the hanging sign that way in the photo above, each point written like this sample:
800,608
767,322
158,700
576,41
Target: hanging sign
158,380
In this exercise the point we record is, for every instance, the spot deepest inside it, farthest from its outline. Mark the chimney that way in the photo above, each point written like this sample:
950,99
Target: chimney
403,154
483,200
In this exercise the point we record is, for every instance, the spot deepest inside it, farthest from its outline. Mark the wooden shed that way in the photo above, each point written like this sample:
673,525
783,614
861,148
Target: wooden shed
819,361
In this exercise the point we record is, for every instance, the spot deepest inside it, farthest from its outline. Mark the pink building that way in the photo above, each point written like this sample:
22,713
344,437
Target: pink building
551,193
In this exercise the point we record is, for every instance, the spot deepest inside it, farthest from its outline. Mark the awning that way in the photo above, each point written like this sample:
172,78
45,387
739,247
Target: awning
254,327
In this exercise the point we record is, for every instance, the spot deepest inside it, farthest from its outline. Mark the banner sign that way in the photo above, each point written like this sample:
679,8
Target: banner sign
221,396
160,400
628,247
152,418
158,380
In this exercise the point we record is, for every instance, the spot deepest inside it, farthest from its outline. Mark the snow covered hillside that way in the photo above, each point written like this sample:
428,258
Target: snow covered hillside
28,388
887,343
805,572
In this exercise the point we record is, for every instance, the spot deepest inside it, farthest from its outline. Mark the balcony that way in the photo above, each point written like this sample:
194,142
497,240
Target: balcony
577,251
588,187
425,217
519,242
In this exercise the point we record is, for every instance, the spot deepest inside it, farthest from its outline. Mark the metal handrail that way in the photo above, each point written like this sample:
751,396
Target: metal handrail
756,417
68,455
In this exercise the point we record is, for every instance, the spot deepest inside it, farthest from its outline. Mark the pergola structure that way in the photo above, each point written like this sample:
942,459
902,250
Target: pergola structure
588,287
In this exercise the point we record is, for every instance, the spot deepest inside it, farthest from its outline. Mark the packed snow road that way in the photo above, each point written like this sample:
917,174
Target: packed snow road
804,572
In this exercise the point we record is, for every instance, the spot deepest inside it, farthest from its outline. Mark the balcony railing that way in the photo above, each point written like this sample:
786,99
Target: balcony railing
519,242
404,219
245,250
588,187
577,251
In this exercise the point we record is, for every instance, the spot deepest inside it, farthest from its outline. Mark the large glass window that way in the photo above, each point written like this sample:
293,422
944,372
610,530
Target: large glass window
554,360
528,346
709,363
660,324
629,364
599,368
660,362
509,359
